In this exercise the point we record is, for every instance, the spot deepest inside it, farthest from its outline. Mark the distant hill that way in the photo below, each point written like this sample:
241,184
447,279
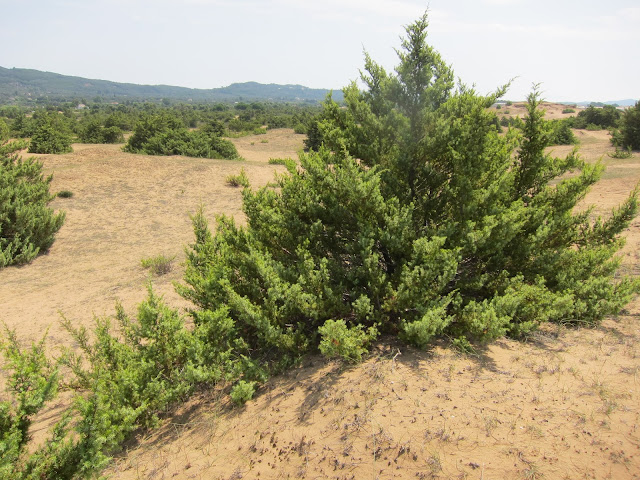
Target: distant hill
628,102
20,84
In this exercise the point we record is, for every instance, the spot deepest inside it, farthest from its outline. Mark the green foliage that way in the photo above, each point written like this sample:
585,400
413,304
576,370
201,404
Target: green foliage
137,376
50,135
462,345
64,194
27,224
568,110
238,180
4,131
416,217
338,340
124,382
628,135
242,392
621,154
287,162
32,381
314,138
163,134
562,133
596,118
94,132
159,265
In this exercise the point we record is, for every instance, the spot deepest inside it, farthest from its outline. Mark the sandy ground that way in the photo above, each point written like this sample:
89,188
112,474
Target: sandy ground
124,208
565,405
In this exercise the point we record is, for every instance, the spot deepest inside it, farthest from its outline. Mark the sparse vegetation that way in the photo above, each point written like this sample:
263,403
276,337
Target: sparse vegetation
64,194
621,153
240,180
287,162
159,265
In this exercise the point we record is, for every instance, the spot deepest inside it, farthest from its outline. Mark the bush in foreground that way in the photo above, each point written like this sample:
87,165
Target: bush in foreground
418,220
440,227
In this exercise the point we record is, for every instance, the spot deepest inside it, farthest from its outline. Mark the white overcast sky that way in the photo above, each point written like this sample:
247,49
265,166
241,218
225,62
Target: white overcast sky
578,50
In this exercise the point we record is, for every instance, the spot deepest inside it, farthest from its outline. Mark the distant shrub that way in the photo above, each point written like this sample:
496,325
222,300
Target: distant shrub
596,118
64,194
287,162
509,103
159,264
510,121
112,135
628,135
568,110
240,180
163,134
94,132
621,153
561,133
50,135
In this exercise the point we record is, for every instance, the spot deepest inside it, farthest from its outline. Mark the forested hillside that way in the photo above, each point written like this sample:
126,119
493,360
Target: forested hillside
21,85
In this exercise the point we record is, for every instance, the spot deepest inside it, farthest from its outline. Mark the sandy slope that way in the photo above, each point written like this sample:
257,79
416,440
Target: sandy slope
564,405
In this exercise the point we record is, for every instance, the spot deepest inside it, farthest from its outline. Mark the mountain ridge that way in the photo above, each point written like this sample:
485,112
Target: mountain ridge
23,84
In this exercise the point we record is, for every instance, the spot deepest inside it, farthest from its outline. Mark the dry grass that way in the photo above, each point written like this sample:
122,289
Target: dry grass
565,405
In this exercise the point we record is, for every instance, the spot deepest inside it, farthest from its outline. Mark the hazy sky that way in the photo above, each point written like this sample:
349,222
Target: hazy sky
578,50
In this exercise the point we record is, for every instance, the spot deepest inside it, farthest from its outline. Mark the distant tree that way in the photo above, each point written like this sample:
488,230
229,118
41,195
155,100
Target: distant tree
27,224
599,117
628,135
94,132
91,132
121,120
112,135
22,126
562,133
50,135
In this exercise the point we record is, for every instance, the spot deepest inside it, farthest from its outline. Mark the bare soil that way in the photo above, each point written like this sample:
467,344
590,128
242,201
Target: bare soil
564,405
